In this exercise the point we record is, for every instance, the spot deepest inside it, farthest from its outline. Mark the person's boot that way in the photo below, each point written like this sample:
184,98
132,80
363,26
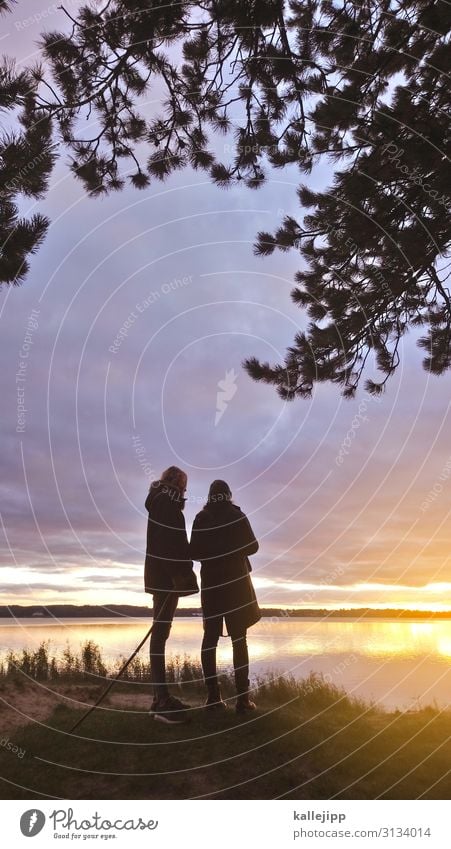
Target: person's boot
170,710
214,701
244,703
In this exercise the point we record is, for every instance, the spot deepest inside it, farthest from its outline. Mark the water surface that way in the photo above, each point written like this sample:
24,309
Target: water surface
397,663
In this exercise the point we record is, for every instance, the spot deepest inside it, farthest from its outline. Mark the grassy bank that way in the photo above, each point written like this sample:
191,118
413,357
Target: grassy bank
309,740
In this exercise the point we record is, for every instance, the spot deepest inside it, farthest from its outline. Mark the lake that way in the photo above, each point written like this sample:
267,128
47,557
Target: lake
399,664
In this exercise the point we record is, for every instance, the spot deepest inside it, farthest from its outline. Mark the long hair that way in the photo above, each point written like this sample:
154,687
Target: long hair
173,476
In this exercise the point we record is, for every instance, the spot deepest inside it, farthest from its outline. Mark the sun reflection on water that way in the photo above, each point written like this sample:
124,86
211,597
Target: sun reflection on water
397,663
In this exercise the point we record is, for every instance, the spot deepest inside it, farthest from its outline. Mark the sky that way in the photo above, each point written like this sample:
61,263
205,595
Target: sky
137,307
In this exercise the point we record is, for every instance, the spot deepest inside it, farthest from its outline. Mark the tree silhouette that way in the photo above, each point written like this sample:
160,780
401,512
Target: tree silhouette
363,86
26,161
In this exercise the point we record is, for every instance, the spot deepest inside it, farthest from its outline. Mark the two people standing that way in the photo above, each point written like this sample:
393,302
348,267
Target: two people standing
222,540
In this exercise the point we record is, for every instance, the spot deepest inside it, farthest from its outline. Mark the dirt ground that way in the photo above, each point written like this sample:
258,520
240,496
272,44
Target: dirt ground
21,704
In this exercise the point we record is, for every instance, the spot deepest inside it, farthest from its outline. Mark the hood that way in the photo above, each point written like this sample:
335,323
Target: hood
157,487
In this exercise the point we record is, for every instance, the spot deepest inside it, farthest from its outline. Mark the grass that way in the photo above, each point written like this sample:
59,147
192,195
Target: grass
86,665
308,740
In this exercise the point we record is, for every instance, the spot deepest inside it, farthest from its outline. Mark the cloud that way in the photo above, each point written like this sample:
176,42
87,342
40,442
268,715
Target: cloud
73,483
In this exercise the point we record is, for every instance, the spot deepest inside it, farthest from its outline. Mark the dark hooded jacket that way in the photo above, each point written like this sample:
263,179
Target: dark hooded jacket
222,539
167,552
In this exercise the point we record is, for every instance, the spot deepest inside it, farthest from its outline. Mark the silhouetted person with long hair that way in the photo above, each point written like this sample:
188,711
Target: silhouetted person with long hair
167,556
222,539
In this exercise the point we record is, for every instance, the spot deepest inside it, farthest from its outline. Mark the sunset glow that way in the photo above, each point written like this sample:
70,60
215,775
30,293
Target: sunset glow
142,304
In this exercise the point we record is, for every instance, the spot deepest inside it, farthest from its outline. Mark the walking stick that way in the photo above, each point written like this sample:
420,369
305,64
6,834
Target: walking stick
122,669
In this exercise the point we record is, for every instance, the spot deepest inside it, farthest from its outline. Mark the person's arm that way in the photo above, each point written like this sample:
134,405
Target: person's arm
169,529
248,544
195,545
178,539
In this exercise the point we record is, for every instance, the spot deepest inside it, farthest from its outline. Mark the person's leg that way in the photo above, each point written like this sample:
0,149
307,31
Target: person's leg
163,613
212,632
241,668
241,662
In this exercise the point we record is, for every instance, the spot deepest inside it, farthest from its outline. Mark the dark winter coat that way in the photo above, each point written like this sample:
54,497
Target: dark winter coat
167,553
222,539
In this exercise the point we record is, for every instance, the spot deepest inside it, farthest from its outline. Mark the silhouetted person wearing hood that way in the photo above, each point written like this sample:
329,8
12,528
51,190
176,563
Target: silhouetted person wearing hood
167,558
222,539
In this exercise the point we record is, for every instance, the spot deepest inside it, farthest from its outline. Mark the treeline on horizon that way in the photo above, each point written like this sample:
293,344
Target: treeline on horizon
83,611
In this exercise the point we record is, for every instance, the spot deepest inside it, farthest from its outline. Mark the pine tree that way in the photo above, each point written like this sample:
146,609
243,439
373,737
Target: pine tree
26,160
362,86
374,245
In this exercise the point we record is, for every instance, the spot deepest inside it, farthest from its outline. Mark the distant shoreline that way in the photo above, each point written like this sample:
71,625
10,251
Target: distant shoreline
69,611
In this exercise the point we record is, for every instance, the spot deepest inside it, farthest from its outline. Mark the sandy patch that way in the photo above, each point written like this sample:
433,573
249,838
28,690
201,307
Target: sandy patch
35,702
